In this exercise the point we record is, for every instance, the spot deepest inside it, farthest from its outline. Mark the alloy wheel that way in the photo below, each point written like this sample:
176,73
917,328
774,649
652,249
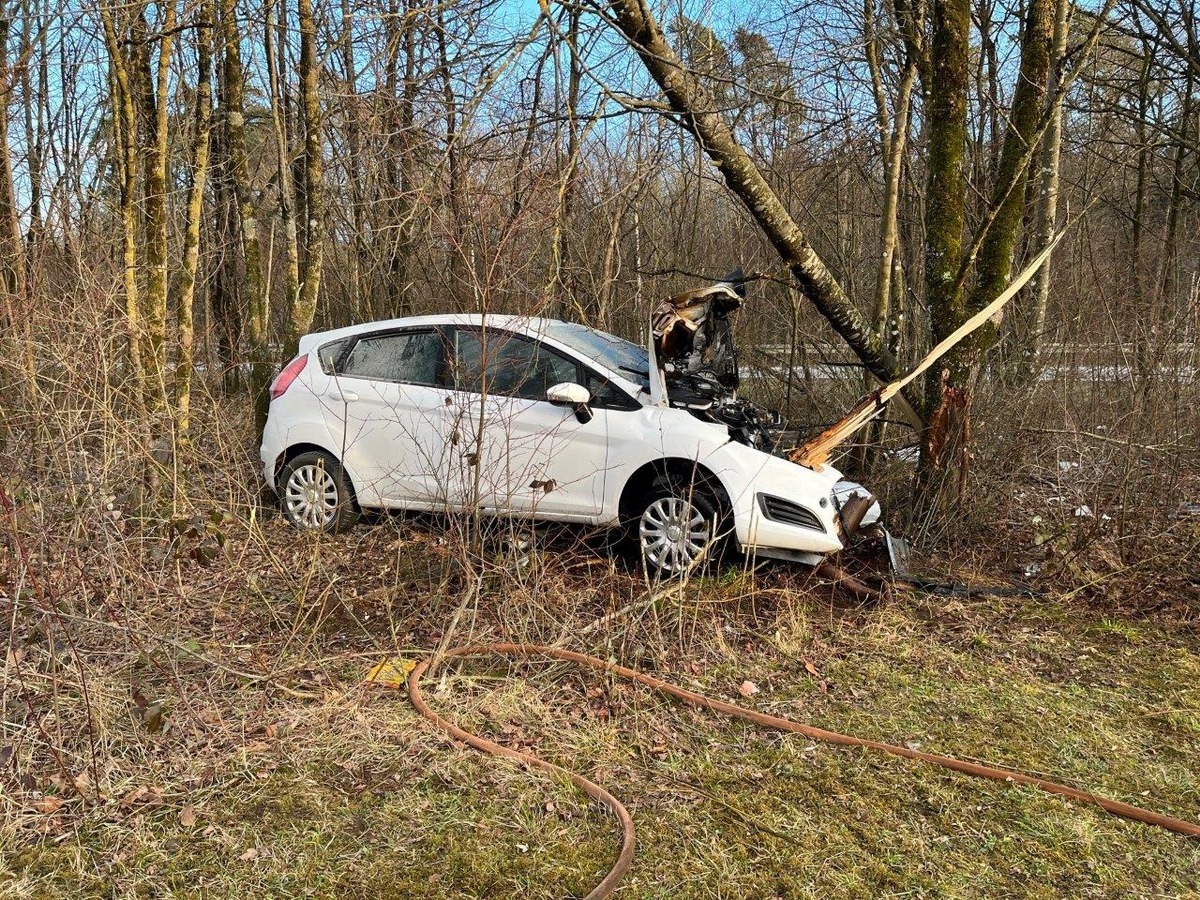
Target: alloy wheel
311,496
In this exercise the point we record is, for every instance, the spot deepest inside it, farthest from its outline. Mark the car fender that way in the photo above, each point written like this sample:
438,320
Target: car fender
316,433
668,433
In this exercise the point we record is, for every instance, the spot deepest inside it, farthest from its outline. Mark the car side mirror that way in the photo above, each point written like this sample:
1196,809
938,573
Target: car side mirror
571,394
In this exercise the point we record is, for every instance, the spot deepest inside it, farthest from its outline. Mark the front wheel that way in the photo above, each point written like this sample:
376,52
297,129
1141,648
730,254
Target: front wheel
680,528
315,493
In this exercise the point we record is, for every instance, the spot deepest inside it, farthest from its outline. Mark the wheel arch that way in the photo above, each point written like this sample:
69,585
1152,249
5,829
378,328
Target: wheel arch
689,470
294,450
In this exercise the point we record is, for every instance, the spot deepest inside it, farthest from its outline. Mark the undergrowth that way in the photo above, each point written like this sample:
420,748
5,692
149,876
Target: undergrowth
185,711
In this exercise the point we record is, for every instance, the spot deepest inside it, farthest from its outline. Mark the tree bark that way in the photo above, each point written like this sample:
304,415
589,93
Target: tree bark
258,306
12,255
304,307
15,316
286,187
1048,208
126,126
458,229
945,212
191,240
354,163
156,110
996,254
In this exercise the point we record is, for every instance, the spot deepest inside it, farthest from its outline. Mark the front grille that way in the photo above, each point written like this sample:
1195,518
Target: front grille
779,510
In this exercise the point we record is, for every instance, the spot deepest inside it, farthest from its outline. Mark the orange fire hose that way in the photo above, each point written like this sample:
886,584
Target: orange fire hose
625,858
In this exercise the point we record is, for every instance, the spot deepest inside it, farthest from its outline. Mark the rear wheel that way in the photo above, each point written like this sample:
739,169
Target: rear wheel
681,527
315,493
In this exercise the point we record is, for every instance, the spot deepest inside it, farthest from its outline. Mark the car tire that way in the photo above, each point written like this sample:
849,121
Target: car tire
681,528
315,494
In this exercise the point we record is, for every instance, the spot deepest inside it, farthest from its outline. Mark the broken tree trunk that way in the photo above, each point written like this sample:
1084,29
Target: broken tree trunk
952,409
700,115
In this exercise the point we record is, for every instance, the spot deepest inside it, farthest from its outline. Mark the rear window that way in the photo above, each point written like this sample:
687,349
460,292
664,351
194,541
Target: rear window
408,357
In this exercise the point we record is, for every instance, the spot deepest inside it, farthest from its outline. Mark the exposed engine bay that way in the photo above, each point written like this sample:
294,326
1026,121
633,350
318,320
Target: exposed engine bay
693,343
693,349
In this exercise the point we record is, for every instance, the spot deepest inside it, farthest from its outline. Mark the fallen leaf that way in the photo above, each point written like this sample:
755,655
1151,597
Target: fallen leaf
811,669
187,816
48,805
82,784
391,673
748,689
141,795
249,855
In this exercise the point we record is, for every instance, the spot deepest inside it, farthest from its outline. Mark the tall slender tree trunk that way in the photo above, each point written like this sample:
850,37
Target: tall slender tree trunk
157,116
36,110
258,305
354,163
560,287
401,160
454,175
893,143
276,20
996,254
185,321
15,315
12,255
1048,207
304,307
225,294
125,123
1141,335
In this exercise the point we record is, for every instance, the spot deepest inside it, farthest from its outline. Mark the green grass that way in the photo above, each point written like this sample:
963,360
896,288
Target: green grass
361,799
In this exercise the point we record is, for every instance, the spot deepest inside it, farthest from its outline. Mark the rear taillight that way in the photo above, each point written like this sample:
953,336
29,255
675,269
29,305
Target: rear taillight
284,379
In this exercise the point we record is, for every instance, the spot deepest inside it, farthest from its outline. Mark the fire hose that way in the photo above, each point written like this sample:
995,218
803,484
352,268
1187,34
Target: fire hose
625,858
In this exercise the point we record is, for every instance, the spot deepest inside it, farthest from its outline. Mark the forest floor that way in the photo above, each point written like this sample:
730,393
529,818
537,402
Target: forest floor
196,723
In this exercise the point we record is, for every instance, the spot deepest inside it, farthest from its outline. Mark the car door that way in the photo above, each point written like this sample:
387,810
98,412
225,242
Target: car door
395,385
521,453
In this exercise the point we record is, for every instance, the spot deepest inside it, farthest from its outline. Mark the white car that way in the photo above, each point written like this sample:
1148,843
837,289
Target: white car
539,419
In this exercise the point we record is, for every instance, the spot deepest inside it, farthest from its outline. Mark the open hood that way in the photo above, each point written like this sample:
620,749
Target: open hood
694,364
691,334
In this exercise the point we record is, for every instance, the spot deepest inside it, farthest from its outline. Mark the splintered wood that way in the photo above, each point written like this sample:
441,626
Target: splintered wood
815,452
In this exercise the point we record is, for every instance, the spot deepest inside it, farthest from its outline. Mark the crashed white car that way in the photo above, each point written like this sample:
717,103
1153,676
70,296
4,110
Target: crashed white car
544,420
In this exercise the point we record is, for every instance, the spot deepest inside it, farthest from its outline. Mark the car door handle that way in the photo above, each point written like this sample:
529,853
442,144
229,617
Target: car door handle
348,396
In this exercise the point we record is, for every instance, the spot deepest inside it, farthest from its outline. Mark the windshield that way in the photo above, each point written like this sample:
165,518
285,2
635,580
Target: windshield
610,351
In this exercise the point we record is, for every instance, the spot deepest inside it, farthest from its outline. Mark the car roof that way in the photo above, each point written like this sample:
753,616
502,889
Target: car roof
532,326
525,324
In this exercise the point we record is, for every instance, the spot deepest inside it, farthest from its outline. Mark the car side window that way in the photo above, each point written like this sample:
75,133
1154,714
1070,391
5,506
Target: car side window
330,353
605,394
498,363
409,357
